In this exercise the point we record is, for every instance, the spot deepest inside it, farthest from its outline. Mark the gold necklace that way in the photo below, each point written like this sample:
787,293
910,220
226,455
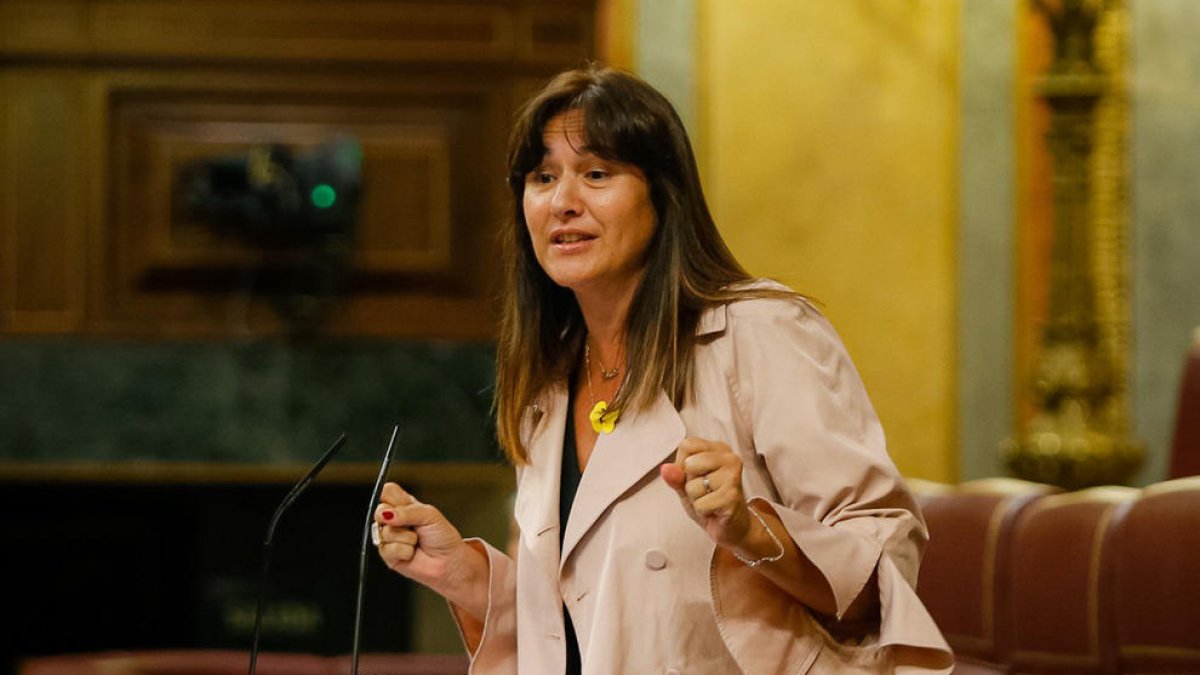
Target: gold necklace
604,372
603,420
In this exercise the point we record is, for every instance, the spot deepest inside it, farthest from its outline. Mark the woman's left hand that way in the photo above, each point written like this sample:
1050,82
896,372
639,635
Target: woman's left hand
708,477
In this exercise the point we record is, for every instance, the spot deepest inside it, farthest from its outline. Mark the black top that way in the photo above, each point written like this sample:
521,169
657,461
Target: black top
567,487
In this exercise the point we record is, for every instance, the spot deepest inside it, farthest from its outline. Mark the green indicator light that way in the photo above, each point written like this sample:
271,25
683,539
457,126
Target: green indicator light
323,196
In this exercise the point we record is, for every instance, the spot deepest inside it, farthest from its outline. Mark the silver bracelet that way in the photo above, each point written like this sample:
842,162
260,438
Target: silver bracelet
766,559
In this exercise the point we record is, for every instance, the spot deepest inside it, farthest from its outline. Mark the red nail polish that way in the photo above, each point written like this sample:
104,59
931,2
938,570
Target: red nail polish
388,515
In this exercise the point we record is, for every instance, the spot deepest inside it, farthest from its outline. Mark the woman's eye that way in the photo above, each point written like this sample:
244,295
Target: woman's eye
541,177
597,174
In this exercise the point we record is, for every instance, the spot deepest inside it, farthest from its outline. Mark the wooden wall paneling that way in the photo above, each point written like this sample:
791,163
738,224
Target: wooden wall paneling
339,30
301,30
428,87
406,209
45,190
554,34
41,27
405,222
464,301
293,30
425,223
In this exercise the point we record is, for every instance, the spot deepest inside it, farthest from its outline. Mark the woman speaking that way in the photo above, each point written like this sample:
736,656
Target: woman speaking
702,483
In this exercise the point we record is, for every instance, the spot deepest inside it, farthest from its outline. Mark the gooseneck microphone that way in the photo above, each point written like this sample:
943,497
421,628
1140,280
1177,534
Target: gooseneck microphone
362,555
297,489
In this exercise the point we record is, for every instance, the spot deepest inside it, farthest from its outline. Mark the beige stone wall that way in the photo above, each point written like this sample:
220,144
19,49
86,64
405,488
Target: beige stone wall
828,135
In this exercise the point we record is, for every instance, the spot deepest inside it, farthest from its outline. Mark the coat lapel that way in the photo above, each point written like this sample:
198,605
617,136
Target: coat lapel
536,508
619,460
637,445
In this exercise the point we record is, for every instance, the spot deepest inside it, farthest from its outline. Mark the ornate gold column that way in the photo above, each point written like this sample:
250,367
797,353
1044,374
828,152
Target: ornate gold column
1077,435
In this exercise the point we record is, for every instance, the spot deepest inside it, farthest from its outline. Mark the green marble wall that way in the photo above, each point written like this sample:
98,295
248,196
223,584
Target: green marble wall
252,402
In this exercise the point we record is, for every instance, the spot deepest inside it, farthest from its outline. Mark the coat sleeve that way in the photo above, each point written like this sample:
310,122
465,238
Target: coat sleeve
820,444
492,644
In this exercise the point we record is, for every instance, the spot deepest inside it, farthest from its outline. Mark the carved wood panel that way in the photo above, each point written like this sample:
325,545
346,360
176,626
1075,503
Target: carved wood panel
43,189
107,105
449,31
419,222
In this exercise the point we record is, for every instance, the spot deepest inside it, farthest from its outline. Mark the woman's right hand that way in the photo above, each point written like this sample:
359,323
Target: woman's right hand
417,541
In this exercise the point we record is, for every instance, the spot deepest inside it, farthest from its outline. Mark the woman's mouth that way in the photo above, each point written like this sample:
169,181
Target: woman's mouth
568,238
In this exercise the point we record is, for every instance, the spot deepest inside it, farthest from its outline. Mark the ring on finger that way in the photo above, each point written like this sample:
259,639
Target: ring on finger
707,485
376,539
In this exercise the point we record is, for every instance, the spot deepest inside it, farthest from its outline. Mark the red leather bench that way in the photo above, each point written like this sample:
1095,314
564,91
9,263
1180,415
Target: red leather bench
1025,579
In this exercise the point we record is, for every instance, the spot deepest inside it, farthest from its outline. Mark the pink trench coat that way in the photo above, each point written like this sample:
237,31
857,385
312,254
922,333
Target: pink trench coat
646,592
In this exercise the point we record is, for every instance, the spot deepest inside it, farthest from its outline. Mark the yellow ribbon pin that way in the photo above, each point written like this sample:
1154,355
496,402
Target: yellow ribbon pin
603,420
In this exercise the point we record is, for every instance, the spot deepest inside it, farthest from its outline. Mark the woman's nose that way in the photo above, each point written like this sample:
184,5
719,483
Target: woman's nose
566,201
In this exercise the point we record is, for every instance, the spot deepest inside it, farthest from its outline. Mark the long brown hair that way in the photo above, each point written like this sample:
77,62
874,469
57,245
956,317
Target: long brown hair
688,266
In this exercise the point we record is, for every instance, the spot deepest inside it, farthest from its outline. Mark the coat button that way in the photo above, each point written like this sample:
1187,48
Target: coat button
656,559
